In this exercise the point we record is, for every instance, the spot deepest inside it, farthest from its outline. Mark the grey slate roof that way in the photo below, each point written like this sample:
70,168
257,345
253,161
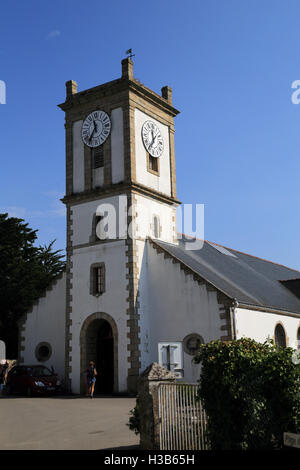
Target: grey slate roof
248,279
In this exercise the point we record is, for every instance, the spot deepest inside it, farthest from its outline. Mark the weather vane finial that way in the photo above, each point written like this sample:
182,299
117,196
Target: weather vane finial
129,53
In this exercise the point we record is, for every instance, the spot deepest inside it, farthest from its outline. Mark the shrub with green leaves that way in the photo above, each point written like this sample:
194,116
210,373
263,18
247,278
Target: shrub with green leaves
134,420
251,393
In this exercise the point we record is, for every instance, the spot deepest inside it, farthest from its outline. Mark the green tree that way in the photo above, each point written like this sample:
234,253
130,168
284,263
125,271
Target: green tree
26,270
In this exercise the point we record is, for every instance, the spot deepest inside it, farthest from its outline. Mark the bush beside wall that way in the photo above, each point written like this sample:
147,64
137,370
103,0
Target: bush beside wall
251,393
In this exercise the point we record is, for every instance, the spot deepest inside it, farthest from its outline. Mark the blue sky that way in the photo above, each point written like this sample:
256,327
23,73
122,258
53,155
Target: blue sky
230,64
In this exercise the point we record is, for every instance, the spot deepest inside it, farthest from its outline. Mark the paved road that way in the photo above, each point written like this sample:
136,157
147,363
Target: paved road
65,423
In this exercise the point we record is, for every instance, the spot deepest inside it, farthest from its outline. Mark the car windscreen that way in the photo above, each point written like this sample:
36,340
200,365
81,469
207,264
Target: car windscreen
38,371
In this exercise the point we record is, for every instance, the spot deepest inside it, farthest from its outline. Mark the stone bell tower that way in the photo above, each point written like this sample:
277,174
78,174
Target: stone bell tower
119,149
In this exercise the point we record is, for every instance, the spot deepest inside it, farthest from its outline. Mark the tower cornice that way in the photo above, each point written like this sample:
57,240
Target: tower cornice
112,88
117,189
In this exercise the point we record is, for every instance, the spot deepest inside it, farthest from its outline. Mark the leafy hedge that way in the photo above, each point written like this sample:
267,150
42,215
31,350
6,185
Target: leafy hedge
251,393
135,420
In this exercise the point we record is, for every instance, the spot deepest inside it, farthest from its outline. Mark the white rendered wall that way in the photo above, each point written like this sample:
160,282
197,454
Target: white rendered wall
172,306
82,217
117,145
78,158
160,183
146,209
98,177
261,325
112,302
46,323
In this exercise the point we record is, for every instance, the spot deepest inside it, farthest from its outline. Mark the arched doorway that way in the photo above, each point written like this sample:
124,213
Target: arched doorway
105,358
99,343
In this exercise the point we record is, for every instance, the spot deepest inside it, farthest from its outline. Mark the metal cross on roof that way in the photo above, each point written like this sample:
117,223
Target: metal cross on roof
129,53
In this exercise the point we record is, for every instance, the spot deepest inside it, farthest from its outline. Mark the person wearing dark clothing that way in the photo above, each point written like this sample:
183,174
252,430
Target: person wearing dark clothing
3,373
91,374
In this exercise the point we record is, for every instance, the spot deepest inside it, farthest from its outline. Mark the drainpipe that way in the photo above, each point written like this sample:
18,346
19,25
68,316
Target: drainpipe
234,305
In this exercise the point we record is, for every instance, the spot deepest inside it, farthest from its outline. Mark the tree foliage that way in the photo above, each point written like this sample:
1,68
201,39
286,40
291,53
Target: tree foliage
26,270
251,393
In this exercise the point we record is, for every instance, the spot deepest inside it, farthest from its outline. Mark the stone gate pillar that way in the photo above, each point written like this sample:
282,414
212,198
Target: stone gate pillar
148,384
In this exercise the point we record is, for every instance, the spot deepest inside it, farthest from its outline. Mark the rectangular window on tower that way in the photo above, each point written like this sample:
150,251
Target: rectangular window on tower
98,157
97,279
153,164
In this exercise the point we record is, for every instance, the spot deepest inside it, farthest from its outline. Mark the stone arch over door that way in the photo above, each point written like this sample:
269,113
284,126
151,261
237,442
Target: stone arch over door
88,338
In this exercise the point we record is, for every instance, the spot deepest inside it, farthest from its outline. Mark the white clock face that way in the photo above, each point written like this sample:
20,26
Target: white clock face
95,128
152,139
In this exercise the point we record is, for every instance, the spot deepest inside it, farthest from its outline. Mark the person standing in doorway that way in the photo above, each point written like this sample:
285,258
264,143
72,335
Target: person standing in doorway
91,374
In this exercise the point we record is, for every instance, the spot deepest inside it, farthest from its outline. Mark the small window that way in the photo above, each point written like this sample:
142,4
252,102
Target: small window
156,230
153,164
280,339
298,339
98,279
43,352
98,157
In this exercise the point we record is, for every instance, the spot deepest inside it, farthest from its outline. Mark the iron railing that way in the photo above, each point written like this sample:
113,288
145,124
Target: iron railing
182,418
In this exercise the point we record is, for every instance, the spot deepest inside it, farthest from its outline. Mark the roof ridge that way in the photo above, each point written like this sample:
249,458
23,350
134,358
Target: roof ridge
265,292
252,256
242,252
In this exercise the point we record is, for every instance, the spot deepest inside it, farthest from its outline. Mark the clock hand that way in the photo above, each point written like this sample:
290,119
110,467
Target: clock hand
152,139
91,134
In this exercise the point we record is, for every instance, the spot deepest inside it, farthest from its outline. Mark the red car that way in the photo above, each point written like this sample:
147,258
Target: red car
32,380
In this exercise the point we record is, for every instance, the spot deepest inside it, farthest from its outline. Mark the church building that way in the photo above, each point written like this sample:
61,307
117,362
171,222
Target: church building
132,293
